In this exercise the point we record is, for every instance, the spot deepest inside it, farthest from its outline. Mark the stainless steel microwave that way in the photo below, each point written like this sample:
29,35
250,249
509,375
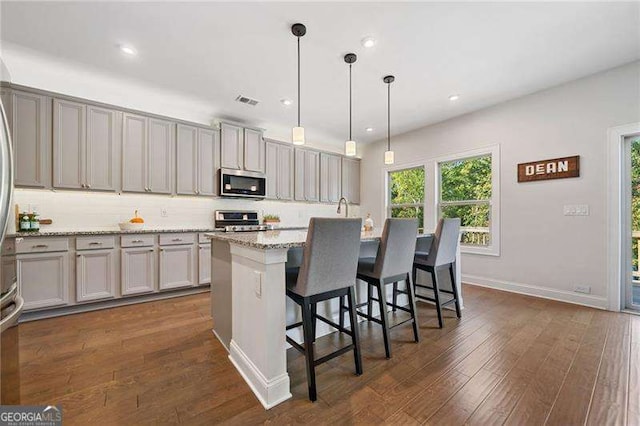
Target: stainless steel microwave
241,183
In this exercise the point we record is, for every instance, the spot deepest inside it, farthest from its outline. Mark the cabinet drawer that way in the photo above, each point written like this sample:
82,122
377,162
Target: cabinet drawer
41,245
202,239
94,243
137,240
176,239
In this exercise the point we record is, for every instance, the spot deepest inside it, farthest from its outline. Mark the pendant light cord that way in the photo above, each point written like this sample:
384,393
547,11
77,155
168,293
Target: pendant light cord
350,96
388,116
298,81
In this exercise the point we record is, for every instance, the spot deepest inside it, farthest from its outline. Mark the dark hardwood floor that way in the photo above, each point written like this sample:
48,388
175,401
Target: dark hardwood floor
512,359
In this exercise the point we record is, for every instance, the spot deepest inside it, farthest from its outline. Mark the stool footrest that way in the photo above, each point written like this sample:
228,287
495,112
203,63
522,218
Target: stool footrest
295,345
333,355
334,325
295,325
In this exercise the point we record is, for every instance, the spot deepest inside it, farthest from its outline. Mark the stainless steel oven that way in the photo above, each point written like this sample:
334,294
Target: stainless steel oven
241,183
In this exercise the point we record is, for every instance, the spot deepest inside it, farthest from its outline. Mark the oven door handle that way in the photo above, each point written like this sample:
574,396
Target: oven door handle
8,297
12,319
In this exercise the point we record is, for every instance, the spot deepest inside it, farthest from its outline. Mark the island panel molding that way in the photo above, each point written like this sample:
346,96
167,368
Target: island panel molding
555,168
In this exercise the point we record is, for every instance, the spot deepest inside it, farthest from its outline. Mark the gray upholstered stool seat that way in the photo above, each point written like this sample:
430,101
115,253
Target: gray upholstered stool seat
440,256
327,270
392,264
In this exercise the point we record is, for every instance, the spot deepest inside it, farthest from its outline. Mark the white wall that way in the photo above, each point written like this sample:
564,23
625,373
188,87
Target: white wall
543,252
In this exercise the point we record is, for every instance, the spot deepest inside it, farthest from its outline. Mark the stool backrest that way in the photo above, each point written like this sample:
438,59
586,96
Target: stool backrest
445,242
397,246
330,257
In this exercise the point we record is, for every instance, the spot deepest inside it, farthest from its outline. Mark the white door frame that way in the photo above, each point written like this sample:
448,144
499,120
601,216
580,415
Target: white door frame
617,214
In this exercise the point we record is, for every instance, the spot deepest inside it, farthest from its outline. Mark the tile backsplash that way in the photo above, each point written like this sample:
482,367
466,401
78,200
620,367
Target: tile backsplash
80,211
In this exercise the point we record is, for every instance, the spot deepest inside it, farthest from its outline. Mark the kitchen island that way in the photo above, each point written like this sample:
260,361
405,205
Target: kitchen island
250,308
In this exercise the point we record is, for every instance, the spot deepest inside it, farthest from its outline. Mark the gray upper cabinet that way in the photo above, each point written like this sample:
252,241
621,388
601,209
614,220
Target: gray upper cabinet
69,144
29,117
351,179
134,153
307,175
271,159
196,161
279,169
330,178
85,141
147,154
254,151
206,161
160,148
231,146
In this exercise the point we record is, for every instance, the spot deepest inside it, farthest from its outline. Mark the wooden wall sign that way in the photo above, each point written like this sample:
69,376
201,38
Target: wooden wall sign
556,168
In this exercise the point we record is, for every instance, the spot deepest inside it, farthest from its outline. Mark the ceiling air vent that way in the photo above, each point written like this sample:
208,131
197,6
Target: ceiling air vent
248,101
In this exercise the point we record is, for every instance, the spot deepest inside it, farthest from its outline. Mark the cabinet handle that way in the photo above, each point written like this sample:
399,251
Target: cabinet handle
137,241
95,243
40,246
88,186
82,185
176,239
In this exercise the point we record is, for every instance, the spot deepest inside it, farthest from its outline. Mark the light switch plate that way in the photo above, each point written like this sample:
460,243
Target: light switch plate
576,210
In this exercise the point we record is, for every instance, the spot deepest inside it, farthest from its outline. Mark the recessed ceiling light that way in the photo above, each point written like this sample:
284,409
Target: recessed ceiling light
369,129
454,97
128,50
368,41
286,102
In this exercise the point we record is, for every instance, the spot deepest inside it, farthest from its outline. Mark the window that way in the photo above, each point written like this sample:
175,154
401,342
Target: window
406,194
466,191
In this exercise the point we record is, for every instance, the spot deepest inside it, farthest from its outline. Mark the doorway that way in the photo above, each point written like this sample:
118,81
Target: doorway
632,203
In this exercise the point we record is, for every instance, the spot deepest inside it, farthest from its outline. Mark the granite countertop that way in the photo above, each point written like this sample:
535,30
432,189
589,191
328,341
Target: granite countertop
280,239
116,231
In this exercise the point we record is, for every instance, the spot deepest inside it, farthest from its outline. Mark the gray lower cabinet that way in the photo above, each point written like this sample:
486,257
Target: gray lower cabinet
279,171
351,180
330,177
85,141
138,266
147,154
43,279
307,175
177,266
29,117
95,274
204,264
196,170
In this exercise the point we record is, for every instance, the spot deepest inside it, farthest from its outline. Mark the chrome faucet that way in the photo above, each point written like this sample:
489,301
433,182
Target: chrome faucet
346,206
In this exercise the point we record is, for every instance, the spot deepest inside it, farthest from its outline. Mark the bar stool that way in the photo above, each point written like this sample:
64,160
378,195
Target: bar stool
328,270
440,256
392,264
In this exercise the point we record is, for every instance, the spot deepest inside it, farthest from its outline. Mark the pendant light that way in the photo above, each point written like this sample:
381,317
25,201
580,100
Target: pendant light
350,145
388,155
297,133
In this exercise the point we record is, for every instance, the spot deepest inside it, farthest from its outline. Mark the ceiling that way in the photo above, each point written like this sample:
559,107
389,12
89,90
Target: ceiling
485,52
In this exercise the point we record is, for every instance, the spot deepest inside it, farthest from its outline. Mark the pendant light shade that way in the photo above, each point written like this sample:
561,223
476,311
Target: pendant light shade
297,133
388,155
350,145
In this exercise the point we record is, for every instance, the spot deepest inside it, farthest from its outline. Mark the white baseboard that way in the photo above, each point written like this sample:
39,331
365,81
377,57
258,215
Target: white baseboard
537,291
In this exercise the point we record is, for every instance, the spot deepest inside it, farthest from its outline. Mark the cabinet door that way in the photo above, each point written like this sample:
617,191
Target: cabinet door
95,275
271,169
43,279
101,148
134,153
254,151
285,172
300,165
27,116
230,146
351,180
204,264
69,141
138,270
330,182
160,150
177,267
206,162
187,160
312,176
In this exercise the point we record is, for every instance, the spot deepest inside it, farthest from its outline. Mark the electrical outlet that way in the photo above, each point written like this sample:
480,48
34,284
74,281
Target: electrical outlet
164,213
257,283
582,289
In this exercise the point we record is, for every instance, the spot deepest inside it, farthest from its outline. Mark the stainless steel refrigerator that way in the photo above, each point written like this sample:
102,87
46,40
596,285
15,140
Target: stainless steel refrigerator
11,303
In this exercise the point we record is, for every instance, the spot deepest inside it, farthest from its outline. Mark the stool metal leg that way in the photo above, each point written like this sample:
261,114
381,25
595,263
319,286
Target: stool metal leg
314,311
395,296
343,302
454,288
384,318
412,307
355,338
369,300
307,327
436,295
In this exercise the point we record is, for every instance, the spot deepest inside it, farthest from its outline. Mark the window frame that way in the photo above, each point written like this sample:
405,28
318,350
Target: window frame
387,202
493,249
